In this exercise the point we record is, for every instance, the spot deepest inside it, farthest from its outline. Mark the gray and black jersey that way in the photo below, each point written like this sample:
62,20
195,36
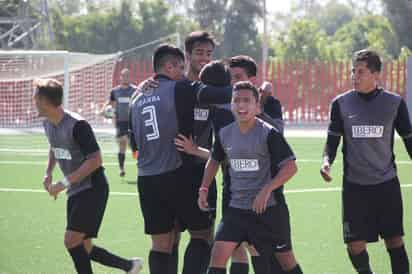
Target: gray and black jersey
159,115
202,130
71,142
254,158
122,96
367,123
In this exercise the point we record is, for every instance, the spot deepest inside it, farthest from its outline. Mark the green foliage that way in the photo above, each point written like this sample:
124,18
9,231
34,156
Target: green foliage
333,16
304,40
399,13
365,32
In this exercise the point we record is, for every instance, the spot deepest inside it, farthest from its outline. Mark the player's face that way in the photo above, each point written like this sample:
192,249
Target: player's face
39,102
125,78
244,105
238,74
363,79
200,56
176,70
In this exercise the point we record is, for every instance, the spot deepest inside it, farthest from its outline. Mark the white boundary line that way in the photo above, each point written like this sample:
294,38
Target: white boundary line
43,162
114,193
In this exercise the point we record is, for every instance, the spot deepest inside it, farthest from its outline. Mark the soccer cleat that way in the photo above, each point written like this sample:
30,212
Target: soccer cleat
122,173
137,264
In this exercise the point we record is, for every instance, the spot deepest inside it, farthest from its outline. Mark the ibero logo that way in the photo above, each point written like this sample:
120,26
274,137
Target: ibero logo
367,131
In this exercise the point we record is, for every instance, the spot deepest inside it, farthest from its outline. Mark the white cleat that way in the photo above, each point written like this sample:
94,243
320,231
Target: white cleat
137,265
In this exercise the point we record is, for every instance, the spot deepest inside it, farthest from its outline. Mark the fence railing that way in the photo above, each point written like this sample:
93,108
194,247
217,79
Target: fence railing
305,89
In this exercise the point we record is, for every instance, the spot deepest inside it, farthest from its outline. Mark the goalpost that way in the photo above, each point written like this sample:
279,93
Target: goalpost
87,80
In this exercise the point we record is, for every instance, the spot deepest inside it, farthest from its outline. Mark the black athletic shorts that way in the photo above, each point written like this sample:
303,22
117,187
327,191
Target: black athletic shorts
85,210
122,128
269,232
164,201
372,211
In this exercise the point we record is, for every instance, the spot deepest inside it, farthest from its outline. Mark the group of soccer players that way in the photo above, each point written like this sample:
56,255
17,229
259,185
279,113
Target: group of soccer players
195,115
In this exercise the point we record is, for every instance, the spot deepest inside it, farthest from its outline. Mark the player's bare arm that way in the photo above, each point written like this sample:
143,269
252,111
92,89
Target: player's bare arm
48,177
93,162
287,171
211,169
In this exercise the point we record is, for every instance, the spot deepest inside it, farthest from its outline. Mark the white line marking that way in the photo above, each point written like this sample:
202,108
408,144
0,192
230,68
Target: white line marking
114,193
43,162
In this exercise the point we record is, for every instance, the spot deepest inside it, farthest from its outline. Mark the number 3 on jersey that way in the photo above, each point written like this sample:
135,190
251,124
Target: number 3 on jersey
151,122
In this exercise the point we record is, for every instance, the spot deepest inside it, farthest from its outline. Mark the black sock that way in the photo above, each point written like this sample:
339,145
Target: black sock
216,270
121,157
399,260
275,267
260,265
295,270
158,262
239,268
174,260
81,259
361,262
197,257
104,257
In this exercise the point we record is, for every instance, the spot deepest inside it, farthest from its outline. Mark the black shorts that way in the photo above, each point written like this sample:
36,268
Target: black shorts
372,211
269,232
164,201
122,129
85,210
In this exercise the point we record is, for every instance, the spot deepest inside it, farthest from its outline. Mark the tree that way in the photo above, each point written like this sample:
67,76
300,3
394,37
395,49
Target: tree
304,40
334,15
368,31
399,13
240,31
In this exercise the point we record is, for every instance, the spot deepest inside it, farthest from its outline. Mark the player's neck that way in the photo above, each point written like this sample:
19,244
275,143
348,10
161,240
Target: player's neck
55,115
245,126
124,85
192,76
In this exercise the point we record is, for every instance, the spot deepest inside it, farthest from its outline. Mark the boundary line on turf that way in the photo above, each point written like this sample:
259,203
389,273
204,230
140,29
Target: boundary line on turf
43,162
115,193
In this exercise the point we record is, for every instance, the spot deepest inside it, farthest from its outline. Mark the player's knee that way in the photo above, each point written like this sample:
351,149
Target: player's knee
163,244
72,239
219,257
357,247
239,255
394,242
252,250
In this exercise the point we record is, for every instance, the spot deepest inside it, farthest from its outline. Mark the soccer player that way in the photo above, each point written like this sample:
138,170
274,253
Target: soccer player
119,100
165,190
257,211
73,146
366,117
244,68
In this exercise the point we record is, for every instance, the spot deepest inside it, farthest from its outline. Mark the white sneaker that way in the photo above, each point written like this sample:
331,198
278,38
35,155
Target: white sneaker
137,264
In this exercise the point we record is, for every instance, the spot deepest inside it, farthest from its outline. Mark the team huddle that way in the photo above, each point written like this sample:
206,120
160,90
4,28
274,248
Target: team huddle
196,115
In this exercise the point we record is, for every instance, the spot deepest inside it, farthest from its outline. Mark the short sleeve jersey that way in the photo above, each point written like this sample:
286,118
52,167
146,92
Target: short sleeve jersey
252,158
367,124
122,97
71,142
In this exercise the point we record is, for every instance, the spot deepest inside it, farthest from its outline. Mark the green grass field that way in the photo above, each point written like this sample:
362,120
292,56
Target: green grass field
32,224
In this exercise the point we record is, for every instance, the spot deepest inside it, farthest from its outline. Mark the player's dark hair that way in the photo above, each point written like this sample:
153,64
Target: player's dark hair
198,37
370,57
216,73
245,62
50,89
166,53
247,85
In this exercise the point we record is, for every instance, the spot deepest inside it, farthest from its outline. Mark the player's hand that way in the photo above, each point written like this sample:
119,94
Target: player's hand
55,189
202,200
325,171
261,201
185,144
148,84
47,180
135,154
